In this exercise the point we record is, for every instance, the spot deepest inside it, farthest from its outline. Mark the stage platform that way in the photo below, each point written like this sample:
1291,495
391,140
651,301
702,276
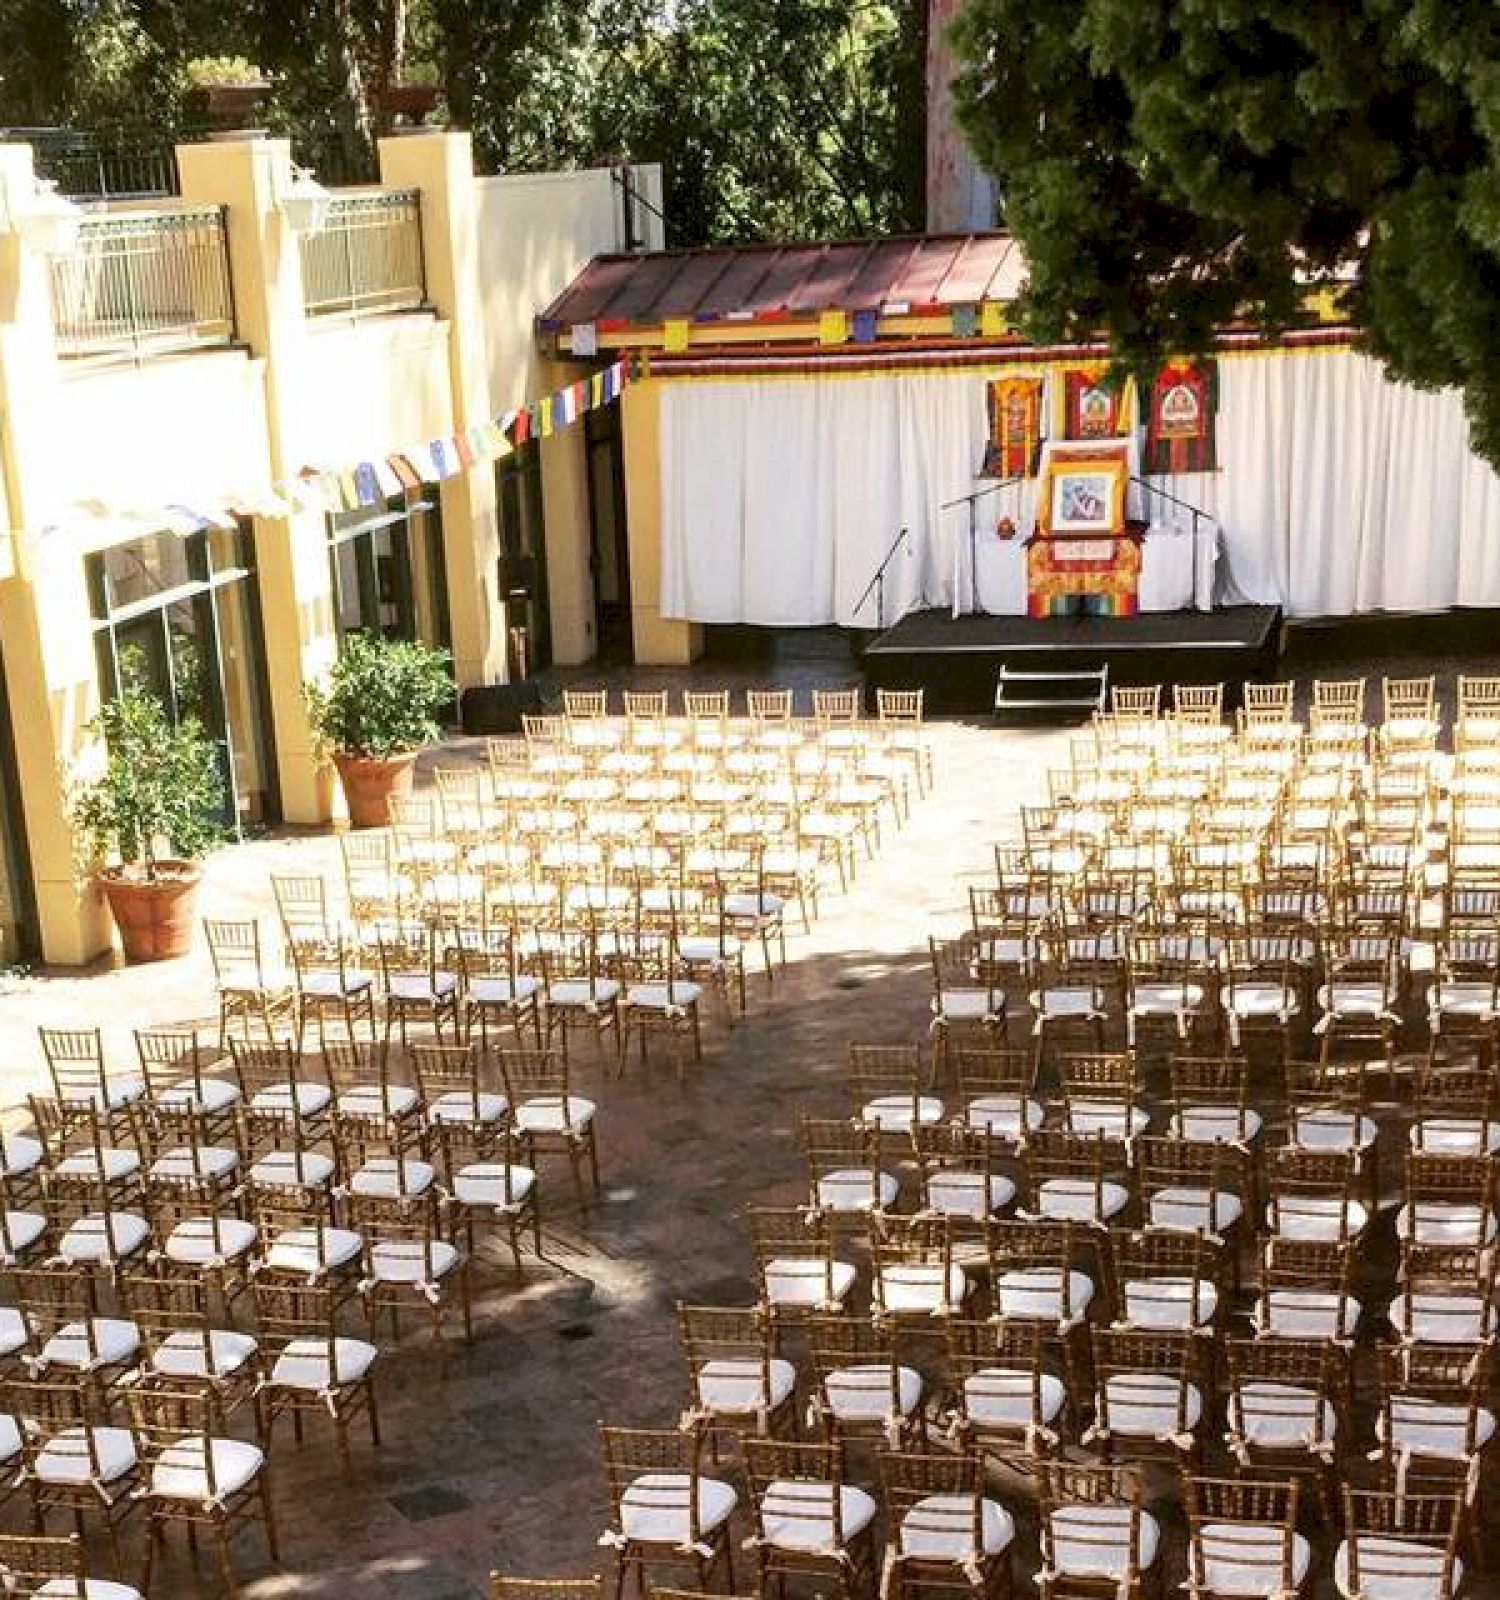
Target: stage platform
957,660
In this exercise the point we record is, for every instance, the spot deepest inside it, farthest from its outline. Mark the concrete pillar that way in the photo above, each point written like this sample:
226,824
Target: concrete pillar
440,165
565,495
659,641
250,176
44,609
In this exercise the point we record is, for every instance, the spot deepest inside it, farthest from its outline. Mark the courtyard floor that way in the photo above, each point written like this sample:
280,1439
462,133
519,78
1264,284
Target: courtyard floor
497,1466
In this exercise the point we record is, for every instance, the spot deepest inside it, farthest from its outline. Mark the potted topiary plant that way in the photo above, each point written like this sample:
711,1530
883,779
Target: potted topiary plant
148,818
415,95
229,89
375,712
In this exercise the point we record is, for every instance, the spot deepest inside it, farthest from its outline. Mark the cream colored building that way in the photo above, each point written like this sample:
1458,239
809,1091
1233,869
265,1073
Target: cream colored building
161,376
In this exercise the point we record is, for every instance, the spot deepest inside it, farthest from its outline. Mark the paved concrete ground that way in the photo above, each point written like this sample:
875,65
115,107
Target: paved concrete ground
498,1466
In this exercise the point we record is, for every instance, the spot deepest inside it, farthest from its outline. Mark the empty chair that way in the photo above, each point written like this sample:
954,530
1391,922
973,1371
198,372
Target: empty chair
666,1508
53,1568
844,1170
944,1530
1096,1535
1243,1542
1166,1280
1283,1408
794,1255
1399,1546
864,1388
738,1377
1008,1389
1148,1393
997,1093
809,1522
1305,1290
251,983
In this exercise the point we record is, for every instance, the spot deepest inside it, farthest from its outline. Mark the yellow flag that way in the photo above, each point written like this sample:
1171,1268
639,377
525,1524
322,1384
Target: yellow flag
993,322
833,327
677,332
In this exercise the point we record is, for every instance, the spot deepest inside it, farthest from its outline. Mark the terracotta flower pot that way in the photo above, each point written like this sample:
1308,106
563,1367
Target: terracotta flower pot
154,915
370,784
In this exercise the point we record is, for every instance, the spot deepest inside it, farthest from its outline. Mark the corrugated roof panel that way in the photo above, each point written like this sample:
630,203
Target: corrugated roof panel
737,288
590,294
829,275
643,289
696,275
973,270
923,279
881,272
783,279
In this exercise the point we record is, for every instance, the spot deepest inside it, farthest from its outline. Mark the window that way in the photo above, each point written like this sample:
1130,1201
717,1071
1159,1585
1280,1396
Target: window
180,618
389,575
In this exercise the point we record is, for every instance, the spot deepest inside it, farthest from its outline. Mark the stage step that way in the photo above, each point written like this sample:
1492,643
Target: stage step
1080,692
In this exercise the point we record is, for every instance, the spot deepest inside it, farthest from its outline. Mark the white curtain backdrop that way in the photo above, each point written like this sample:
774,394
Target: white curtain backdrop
1338,492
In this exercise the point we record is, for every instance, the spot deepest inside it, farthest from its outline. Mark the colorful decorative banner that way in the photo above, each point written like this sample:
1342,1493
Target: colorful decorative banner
993,321
965,322
1182,426
1092,407
1015,441
833,327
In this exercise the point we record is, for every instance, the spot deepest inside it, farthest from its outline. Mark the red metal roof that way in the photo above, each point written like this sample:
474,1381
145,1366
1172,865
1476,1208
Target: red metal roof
802,280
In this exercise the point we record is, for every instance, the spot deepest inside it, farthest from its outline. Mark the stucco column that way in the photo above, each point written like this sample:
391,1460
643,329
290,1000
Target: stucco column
44,608
440,166
659,641
250,176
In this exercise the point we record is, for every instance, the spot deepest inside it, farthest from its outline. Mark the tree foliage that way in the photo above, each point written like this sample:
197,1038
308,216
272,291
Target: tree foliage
1172,165
382,697
773,119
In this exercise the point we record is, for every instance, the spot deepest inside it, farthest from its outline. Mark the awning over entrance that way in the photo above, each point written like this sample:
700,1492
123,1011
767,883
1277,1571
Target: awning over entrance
780,292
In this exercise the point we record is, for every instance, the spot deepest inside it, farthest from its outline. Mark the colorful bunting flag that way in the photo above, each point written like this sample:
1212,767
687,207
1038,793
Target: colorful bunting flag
833,327
965,322
866,326
676,335
993,321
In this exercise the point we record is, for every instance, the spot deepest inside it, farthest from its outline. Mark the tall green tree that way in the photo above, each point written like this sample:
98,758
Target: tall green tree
1172,165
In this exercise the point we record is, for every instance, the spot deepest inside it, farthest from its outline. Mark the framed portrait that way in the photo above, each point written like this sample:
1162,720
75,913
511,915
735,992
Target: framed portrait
1085,490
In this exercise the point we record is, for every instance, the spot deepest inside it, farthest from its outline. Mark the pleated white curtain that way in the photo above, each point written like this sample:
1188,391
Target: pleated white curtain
1338,492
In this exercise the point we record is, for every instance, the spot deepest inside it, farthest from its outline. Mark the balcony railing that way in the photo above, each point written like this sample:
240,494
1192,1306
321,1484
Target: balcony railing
367,258
94,166
142,283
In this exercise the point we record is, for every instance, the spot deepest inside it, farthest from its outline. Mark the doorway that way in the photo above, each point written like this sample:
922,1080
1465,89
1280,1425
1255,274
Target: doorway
609,542
523,562
18,931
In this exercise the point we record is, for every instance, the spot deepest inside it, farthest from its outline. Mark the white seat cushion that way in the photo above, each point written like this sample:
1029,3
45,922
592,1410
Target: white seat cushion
1361,1001
293,1169
941,1528
917,1288
460,1106
865,1392
1001,1115
1316,1216
1280,1416
1212,1124
1459,1136
1242,1559
893,1113
19,1155
1080,1200
1310,1314
1475,1001
737,1385
421,988
209,1242
745,907
1171,1303
1036,1294
578,993
65,1456
1055,1005
549,1113
1445,1222
708,950
1094,1541
1111,1118
1186,1210
409,1261
327,983
299,1099
10,1437
206,1094
968,1005
493,1185
1396,1569
185,1165
656,1508
116,1092
116,1164
304,1364
182,1471
14,1332
670,999
798,1515
102,1342
503,991
378,1100
1260,1000
1145,1405
100,1238
1330,1129
202,1353
995,1397
970,1195
22,1230
856,1189
313,1250
798,1282
385,1178
1437,1318
1436,1429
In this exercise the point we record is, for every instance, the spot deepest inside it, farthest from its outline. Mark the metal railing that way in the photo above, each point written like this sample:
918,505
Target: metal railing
95,166
367,258
141,283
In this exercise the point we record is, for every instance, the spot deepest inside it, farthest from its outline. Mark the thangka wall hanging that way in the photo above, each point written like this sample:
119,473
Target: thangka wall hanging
1093,407
1015,441
1181,428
